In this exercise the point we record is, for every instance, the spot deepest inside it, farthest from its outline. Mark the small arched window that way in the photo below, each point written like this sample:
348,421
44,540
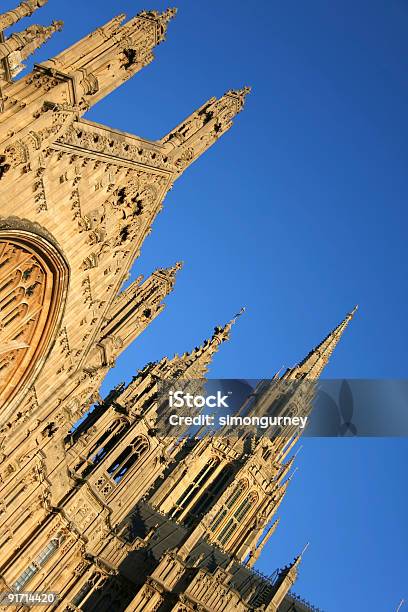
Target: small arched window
233,523
233,511
195,488
127,458
100,449
266,453
233,497
105,444
95,581
209,495
34,567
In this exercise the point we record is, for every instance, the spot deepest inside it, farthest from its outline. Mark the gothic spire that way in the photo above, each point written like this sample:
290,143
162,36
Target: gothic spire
292,568
24,9
314,363
161,19
112,53
153,289
256,552
285,580
134,309
21,45
195,364
202,128
167,276
189,366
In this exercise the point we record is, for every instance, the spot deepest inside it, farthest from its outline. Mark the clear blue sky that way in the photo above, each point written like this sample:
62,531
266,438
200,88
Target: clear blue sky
299,212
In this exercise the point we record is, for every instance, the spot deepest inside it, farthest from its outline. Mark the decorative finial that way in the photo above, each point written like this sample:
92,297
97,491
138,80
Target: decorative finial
168,14
340,328
222,333
162,19
57,25
25,43
172,271
292,474
197,361
239,95
296,562
179,265
314,363
24,9
277,374
244,91
239,314
168,275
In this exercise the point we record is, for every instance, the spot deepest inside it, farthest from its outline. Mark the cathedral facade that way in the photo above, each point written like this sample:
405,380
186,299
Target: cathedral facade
106,514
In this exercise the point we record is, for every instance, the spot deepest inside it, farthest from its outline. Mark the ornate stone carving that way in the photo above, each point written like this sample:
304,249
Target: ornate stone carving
82,136
56,117
114,225
39,188
81,512
21,416
191,138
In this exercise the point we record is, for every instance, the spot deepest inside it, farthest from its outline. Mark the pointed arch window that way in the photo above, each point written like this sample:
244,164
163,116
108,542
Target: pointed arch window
235,508
236,493
34,567
193,491
95,582
33,286
127,458
209,495
240,512
102,447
